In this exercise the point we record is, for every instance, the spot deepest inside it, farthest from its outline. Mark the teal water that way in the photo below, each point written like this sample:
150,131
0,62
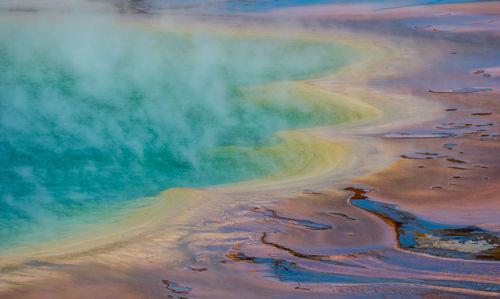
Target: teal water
94,116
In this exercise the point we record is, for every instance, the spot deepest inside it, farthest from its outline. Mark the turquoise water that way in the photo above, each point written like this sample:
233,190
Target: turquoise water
93,117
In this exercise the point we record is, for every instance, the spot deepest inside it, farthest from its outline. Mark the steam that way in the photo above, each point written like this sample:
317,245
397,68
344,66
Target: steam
94,115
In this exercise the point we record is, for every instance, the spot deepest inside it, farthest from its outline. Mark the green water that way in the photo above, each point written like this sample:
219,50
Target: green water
94,116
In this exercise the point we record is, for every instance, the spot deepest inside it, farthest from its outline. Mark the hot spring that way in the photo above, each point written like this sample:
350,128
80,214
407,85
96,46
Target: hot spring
95,115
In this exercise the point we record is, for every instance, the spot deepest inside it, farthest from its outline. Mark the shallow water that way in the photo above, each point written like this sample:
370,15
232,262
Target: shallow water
95,116
214,6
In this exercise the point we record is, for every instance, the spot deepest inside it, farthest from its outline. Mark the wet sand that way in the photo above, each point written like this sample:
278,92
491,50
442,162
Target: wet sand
410,209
